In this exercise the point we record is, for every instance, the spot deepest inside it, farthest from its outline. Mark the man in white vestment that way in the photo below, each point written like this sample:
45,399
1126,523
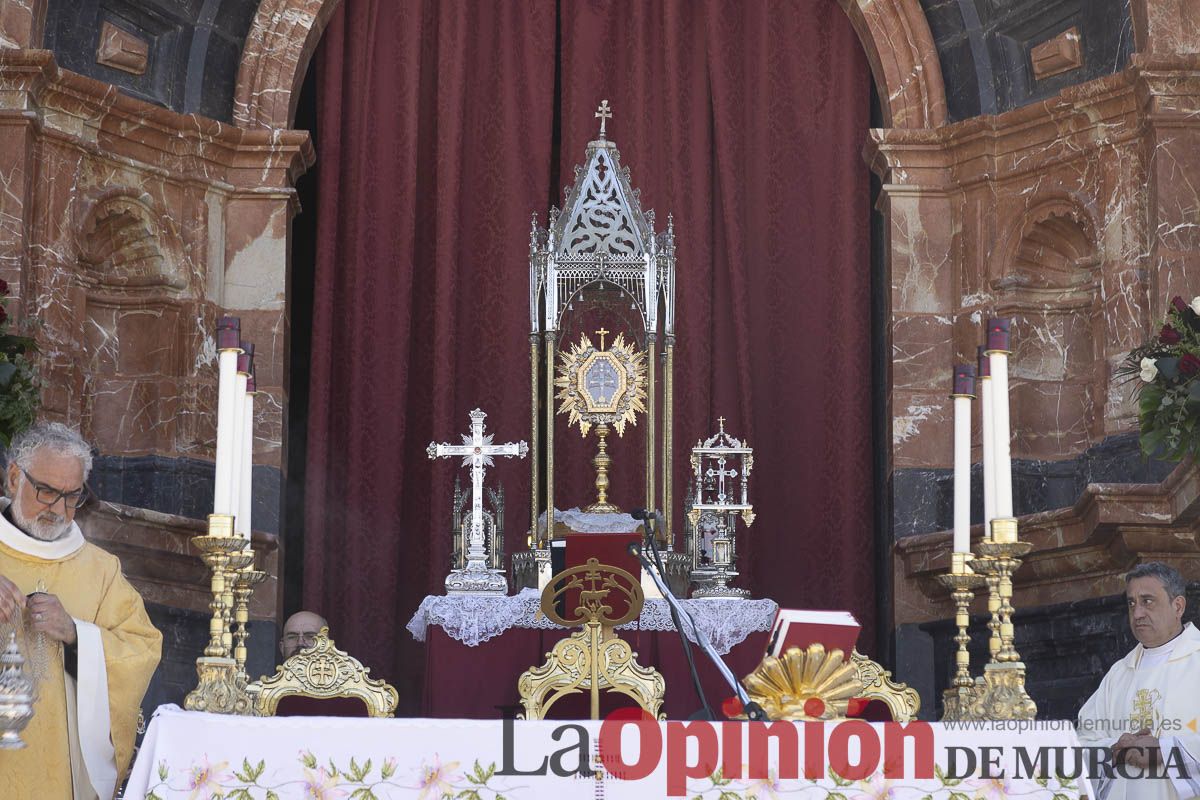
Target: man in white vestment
88,642
1147,709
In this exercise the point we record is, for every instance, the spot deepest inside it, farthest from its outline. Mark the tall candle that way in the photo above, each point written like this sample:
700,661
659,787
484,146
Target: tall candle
239,416
246,493
998,347
964,393
228,336
988,446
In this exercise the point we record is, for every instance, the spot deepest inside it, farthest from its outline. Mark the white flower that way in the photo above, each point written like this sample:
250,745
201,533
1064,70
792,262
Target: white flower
1195,304
1149,370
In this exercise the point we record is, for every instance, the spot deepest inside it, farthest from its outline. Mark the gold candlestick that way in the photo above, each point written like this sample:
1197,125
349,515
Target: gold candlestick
1002,694
243,589
217,688
962,584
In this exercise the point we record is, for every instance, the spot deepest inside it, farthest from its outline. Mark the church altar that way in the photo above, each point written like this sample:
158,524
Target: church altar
188,754
506,634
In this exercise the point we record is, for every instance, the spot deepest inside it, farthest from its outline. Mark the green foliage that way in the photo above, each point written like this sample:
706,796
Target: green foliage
19,388
1167,375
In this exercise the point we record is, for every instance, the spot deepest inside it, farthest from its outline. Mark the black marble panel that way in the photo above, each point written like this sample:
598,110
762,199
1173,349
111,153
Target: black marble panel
923,499
1066,648
984,48
181,486
195,47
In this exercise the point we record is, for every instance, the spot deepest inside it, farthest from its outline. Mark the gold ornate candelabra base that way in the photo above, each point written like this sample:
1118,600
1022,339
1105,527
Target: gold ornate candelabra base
1000,694
219,689
962,584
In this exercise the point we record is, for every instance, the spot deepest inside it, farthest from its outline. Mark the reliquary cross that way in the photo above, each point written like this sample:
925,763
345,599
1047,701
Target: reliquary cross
477,451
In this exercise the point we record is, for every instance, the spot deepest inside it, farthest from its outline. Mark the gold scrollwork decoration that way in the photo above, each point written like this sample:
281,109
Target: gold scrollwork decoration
593,659
322,671
902,701
786,686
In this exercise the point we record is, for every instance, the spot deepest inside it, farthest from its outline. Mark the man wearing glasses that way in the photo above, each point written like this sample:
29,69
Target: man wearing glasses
84,630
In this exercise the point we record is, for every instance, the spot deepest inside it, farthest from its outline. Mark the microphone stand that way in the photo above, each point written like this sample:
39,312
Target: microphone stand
753,711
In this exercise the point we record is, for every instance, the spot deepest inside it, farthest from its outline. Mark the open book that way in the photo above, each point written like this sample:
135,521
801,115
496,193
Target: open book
837,630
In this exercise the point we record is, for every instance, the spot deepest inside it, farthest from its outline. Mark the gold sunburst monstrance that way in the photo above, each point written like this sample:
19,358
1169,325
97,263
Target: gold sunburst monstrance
603,388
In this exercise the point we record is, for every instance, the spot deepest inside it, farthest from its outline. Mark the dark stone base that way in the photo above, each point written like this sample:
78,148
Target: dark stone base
180,486
923,499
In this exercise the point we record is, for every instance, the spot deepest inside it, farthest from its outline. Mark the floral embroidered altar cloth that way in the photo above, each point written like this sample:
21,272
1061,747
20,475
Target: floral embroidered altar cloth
202,756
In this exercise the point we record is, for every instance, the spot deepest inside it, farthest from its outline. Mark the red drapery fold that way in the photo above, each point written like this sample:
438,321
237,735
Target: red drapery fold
436,128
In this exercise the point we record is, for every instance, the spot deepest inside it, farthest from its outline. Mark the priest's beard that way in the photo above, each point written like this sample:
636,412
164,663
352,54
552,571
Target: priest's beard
47,526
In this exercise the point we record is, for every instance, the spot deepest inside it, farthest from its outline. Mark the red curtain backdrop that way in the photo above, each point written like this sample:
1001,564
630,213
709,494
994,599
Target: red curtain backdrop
436,137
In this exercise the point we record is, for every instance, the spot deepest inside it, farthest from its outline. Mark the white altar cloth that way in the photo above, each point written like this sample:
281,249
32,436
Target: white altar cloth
199,756
472,619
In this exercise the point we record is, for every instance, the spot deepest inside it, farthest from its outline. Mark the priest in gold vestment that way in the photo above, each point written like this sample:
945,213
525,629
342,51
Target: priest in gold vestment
88,640
1147,708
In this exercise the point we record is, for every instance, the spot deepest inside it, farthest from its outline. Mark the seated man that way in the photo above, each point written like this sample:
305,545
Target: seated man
1144,704
299,632
87,638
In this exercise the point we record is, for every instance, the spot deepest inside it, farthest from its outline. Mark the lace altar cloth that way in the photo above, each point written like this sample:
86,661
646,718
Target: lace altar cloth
473,619
583,522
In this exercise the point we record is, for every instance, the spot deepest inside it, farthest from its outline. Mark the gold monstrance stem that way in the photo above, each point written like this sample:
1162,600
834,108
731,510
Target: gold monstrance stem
602,461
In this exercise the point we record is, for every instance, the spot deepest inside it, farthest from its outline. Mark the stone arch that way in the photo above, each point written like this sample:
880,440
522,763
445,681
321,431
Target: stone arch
279,45
904,60
894,33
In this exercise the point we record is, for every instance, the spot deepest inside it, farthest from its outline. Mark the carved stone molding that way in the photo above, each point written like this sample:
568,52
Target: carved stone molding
904,60
1078,553
158,559
279,45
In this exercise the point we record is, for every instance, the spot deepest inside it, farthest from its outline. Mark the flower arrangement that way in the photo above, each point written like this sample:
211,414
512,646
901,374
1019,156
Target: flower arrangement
19,391
1169,387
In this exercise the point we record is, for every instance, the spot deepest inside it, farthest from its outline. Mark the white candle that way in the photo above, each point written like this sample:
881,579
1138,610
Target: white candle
245,494
235,482
998,349
964,392
227,342
988,447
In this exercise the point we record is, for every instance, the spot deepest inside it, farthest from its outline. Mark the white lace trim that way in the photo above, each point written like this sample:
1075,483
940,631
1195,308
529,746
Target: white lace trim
473,619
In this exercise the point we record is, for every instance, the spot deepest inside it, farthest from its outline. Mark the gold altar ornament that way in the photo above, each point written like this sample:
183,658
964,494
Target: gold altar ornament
593,658
323,672
804,685
602,388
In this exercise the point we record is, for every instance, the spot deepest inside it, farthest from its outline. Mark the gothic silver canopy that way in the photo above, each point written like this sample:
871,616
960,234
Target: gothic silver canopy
603,236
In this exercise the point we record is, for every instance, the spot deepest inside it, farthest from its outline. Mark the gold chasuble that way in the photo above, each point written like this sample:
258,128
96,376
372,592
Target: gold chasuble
80,740
1158,689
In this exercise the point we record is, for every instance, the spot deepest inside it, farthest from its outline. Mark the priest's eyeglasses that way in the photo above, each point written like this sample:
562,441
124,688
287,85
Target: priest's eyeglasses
48,495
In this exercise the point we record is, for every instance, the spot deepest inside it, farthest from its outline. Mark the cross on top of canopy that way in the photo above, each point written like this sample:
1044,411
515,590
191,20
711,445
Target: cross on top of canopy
602,237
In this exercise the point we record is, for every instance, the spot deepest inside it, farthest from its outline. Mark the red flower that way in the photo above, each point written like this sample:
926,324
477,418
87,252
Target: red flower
1178,304
1189,365
3,315
1169,335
